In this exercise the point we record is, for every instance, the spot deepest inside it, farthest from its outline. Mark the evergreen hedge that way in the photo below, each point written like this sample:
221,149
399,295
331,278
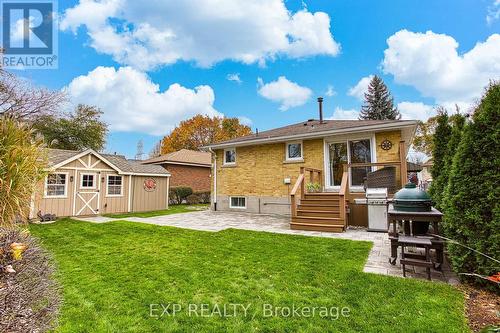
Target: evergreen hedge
440,143
471,210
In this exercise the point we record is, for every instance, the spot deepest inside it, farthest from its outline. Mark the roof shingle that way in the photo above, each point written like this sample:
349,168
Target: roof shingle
183,156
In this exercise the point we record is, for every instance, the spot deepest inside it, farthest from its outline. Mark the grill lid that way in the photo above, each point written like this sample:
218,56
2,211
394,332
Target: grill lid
410,198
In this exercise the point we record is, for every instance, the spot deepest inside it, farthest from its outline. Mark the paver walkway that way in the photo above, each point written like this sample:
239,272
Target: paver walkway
378,259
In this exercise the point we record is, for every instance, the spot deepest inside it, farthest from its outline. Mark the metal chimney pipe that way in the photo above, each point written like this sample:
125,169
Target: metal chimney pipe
320,102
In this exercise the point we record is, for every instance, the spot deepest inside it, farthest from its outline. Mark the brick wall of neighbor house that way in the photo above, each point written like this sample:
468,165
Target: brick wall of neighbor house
198,178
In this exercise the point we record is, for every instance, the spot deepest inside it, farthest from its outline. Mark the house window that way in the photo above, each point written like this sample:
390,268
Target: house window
230,156
238,202
114,185
88,180
55,185
294,151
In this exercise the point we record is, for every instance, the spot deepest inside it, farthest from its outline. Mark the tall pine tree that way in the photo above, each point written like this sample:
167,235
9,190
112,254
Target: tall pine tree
379,104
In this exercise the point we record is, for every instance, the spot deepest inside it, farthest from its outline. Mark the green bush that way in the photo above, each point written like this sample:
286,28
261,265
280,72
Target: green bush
179,194
440,150
471,210
205,197
193,199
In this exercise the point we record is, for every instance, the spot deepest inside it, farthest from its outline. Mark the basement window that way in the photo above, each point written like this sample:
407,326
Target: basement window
238,202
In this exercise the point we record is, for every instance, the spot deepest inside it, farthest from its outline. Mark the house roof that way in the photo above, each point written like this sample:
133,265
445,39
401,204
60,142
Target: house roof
314,128
183,156
58,156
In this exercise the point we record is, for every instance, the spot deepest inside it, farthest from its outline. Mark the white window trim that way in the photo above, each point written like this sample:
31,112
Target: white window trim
107,187
45,195
301,158
93,187
224,157
237,207
373,148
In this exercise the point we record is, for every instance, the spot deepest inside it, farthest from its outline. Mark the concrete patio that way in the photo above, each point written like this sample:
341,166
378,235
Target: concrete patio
378,259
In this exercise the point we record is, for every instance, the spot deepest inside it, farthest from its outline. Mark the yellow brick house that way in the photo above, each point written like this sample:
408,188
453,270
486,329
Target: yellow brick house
271,171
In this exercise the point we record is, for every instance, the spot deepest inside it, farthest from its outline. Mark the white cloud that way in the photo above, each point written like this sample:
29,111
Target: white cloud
430,62
283,91
132,102
330,91
360,88
493,12
343,114
245,120
416,110
234,77
203,31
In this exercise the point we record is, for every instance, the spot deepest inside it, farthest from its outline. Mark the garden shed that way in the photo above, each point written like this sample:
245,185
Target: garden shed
80,183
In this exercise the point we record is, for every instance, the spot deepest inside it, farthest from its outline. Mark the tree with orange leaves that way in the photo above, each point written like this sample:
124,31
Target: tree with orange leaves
201,131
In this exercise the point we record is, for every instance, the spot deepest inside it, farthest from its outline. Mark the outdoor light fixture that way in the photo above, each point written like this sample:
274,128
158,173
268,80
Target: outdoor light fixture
71,179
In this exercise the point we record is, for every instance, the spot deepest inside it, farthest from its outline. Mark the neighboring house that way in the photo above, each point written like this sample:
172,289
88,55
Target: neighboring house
90,183
187,168
425,177
267,172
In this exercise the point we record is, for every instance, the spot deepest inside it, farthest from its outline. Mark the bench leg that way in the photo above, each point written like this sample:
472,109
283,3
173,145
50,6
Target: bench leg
402,257
428,258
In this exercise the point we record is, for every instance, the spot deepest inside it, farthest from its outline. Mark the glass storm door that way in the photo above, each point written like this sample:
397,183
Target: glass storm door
338,157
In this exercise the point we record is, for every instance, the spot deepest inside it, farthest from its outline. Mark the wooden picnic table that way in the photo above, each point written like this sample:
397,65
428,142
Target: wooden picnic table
408,219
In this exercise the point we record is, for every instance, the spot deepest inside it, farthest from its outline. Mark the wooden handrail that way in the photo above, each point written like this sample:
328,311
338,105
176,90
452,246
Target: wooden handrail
298,183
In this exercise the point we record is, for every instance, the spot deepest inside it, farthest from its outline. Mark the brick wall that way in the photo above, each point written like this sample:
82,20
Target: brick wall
198,178
392,154
261,169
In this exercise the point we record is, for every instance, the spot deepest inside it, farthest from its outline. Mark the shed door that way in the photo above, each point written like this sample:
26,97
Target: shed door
87,194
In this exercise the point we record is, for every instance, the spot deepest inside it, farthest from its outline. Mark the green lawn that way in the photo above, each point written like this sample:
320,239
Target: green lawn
112,272
173,209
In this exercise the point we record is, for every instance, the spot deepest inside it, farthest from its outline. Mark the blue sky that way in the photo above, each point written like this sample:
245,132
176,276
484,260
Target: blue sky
433,58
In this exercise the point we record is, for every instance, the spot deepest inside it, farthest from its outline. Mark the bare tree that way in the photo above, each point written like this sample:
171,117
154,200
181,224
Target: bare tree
19,99
156,151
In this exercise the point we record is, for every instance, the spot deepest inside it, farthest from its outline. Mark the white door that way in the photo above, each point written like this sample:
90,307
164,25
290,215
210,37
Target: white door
87,194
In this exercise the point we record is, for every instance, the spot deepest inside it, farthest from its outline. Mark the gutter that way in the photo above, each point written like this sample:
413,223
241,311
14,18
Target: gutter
314,135
215,177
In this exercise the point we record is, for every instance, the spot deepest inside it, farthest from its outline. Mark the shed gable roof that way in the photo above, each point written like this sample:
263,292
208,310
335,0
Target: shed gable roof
59,157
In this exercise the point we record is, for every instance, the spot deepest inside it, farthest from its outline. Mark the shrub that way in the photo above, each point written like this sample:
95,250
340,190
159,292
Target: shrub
313,187
22,161
471,209
193,199
180,193
439,152
205,197
30,297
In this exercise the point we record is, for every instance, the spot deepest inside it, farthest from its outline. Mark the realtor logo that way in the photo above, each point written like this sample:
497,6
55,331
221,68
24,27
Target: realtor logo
29,34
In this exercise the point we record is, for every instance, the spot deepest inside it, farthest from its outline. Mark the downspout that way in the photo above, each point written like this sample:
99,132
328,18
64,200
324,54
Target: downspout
215,177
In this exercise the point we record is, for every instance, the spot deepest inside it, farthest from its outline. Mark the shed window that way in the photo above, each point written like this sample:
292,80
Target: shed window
88,181
115,185
55,185
238,202
230,156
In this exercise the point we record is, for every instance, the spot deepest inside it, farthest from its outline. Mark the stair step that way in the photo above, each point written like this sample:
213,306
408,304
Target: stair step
316,227
318,220
333,202
317,213
317,207
321,195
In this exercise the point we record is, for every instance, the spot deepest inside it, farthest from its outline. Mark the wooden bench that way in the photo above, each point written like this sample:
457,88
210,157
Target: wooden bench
416,259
